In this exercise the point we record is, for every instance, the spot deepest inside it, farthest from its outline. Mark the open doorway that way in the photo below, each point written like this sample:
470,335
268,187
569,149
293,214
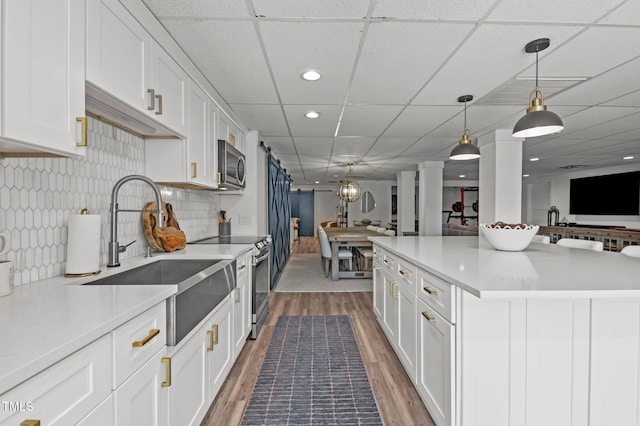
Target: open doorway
302,207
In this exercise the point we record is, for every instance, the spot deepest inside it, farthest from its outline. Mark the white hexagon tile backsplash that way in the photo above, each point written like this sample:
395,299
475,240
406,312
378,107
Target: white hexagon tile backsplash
38,194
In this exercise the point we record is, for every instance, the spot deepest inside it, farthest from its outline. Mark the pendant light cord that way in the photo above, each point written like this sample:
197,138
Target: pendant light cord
537,70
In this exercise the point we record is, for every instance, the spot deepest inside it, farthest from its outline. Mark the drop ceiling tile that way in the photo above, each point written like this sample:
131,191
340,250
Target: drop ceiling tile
632,99
417,121
355,146
568,11
325,125
390,147
609,129
478,70
280,145
398,59
199,8
420,9
589,54
328,47
311,8
367,120
591,118
626,14
229,55
314,146
267,119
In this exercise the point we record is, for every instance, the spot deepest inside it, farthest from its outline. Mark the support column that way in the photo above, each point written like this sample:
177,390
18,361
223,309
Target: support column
430,197
500,182
406,215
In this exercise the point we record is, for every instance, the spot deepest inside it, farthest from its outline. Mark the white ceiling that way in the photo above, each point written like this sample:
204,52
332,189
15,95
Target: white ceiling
392,71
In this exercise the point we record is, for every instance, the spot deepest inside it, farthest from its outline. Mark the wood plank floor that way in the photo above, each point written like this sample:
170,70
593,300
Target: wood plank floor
398,400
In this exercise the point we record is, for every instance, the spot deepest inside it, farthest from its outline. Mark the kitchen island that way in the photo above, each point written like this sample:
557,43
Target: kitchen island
546,336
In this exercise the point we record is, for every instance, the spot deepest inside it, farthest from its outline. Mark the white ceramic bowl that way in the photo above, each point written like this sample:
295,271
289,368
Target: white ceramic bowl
509,239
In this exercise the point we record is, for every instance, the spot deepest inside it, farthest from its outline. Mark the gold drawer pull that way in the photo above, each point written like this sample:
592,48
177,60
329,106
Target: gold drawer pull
431,292
194,170
403,273
211,344
394,290
152,333
214,327
30,423
426,315
388,262
83,137
167,362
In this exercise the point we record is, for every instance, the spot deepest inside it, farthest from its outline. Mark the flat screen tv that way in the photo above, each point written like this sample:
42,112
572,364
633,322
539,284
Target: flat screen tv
617,194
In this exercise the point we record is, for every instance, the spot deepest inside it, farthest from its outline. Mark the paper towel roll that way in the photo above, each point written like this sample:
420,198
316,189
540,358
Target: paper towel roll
83,244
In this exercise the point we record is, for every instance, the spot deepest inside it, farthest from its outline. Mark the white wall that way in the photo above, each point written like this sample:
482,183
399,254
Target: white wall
381,191
559,197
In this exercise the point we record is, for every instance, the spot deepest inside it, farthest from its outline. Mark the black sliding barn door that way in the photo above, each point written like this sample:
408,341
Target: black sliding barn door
279,216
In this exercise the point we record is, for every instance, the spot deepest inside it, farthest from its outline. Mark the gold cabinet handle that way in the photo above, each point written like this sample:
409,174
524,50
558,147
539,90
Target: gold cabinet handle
431,292
152,99
30,423
426,315
242,267
211,344
388,262
167,362
214,327
219,178
194,170
83,137
159,98
394,290
152,333
403,273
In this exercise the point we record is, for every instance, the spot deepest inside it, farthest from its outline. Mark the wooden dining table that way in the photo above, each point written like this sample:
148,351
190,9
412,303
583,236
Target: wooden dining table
348,237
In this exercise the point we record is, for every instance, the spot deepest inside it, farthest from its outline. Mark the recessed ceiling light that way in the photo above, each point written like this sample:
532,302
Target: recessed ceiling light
525,175
317,182
462,176
311,75
312,114
336,175
533,159
628,157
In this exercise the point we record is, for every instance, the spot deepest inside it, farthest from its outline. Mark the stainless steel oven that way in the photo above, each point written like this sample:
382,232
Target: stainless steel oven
261,281
261,286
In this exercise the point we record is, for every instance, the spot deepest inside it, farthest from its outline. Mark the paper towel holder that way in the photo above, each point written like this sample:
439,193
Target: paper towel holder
86,274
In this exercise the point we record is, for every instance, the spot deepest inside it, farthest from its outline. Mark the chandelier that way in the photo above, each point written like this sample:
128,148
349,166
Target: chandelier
350,191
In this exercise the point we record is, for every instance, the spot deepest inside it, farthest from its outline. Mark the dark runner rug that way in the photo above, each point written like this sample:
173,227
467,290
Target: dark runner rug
312,374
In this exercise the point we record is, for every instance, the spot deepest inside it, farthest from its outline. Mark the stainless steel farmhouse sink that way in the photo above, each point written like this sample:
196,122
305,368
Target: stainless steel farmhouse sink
202,285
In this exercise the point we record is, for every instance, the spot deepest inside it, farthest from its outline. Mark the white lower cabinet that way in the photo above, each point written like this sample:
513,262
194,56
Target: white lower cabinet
141,399
199,368
102,415
615,361
390,311
436,361
65,392
242,303
378,290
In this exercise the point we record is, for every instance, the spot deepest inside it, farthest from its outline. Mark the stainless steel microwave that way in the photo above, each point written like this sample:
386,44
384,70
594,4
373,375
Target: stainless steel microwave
231,166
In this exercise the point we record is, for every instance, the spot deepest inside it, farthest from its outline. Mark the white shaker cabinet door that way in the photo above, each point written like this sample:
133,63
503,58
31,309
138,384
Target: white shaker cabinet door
615,363
436,364
390,317
141,400
407,330
198,147
378,290
170,86
119,53
43,82
220,357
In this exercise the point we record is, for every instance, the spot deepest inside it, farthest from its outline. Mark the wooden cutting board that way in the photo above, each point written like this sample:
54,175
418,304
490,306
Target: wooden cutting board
167,237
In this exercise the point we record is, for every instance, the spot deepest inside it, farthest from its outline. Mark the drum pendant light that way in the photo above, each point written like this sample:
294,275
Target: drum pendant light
350,190
465,150
538,121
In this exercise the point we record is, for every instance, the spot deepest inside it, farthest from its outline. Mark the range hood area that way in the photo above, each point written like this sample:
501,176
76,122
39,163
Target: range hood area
106,108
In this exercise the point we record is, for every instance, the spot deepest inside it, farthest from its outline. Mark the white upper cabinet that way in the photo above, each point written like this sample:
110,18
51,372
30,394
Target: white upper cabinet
43,77
118,53
199,156
125,62
169,87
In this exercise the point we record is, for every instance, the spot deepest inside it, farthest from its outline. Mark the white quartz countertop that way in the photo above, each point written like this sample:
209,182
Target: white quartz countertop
45,321
539,271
